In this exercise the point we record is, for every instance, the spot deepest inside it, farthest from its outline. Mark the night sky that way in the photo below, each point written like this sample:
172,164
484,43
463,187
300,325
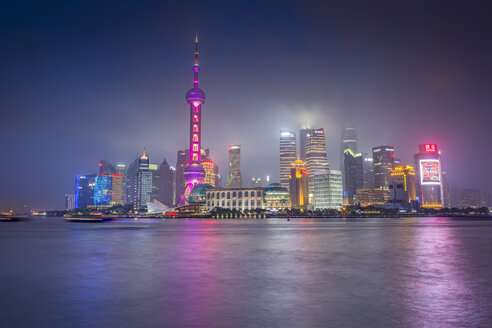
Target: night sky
86,80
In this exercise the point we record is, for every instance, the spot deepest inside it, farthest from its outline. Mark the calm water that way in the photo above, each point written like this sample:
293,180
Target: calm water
428,272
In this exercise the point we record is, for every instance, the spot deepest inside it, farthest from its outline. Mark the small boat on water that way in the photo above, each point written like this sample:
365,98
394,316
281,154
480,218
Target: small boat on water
88,218
12,218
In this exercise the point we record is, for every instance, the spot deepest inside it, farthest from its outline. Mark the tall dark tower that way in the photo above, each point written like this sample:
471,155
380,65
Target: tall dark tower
194,173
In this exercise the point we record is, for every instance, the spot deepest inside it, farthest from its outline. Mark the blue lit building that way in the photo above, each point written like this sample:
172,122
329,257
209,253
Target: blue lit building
102,190
84,190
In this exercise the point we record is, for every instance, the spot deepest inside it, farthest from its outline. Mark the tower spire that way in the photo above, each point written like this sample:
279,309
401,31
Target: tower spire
196,67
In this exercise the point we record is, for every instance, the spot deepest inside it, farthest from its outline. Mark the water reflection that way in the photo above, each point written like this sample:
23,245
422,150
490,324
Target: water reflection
438,289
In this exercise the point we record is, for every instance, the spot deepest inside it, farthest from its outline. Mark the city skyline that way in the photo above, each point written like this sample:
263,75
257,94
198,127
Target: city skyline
60,112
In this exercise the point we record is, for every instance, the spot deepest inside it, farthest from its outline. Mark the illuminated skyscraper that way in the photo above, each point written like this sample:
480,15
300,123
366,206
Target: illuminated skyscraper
193,172
121,170
102,190
211,173
143,183
404,175
383,161
316,158
353,173
156,181
368,175
429,177
298,186
106,168
328,189
69,202
349,140
234,179
288,154
180,184
84,190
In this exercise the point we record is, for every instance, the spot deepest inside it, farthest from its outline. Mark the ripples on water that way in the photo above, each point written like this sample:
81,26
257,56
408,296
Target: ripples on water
428,272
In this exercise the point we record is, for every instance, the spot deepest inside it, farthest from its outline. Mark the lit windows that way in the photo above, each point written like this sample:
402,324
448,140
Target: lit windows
195,137
195,128
195,118
195,147
195,157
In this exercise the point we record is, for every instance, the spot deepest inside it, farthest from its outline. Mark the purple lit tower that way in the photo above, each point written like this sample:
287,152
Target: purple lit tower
194,173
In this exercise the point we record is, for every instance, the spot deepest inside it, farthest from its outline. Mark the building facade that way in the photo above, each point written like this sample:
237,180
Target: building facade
383,160
316,156
288,154
353,173
275,198
234,179
84,190
328,189
298,186
240,199
368,175
372,196
143,183
166,191
404,175
428,176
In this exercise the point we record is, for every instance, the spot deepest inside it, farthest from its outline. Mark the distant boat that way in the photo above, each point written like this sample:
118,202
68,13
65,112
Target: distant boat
88,218
13,218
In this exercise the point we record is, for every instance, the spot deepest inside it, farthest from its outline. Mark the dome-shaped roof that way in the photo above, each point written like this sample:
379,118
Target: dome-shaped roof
199,193
195,94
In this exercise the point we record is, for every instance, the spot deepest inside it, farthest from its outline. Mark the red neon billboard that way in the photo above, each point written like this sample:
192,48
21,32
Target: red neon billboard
430,148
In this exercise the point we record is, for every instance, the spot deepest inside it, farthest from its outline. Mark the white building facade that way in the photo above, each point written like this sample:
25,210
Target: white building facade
328,189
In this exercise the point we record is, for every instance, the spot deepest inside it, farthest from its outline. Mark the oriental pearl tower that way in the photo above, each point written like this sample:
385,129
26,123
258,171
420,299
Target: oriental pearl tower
194,173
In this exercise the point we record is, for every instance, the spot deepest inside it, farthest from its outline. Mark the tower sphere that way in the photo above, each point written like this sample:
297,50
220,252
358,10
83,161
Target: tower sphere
195,94
194,173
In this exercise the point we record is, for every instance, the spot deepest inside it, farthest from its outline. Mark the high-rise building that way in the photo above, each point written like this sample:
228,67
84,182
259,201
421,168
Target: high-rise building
69,202
143,183
383,161
298,186
288,154
428,176
166,190
117,197
354,173
316,157
106,168
349,140
180,185
303,136
84,190
328,189
404,175
121,170
234,178
156,181
211,173
194,172
368,175
131,182
102,190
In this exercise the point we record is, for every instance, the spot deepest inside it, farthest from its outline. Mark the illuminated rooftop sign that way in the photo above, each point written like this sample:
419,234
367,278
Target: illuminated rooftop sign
430,148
